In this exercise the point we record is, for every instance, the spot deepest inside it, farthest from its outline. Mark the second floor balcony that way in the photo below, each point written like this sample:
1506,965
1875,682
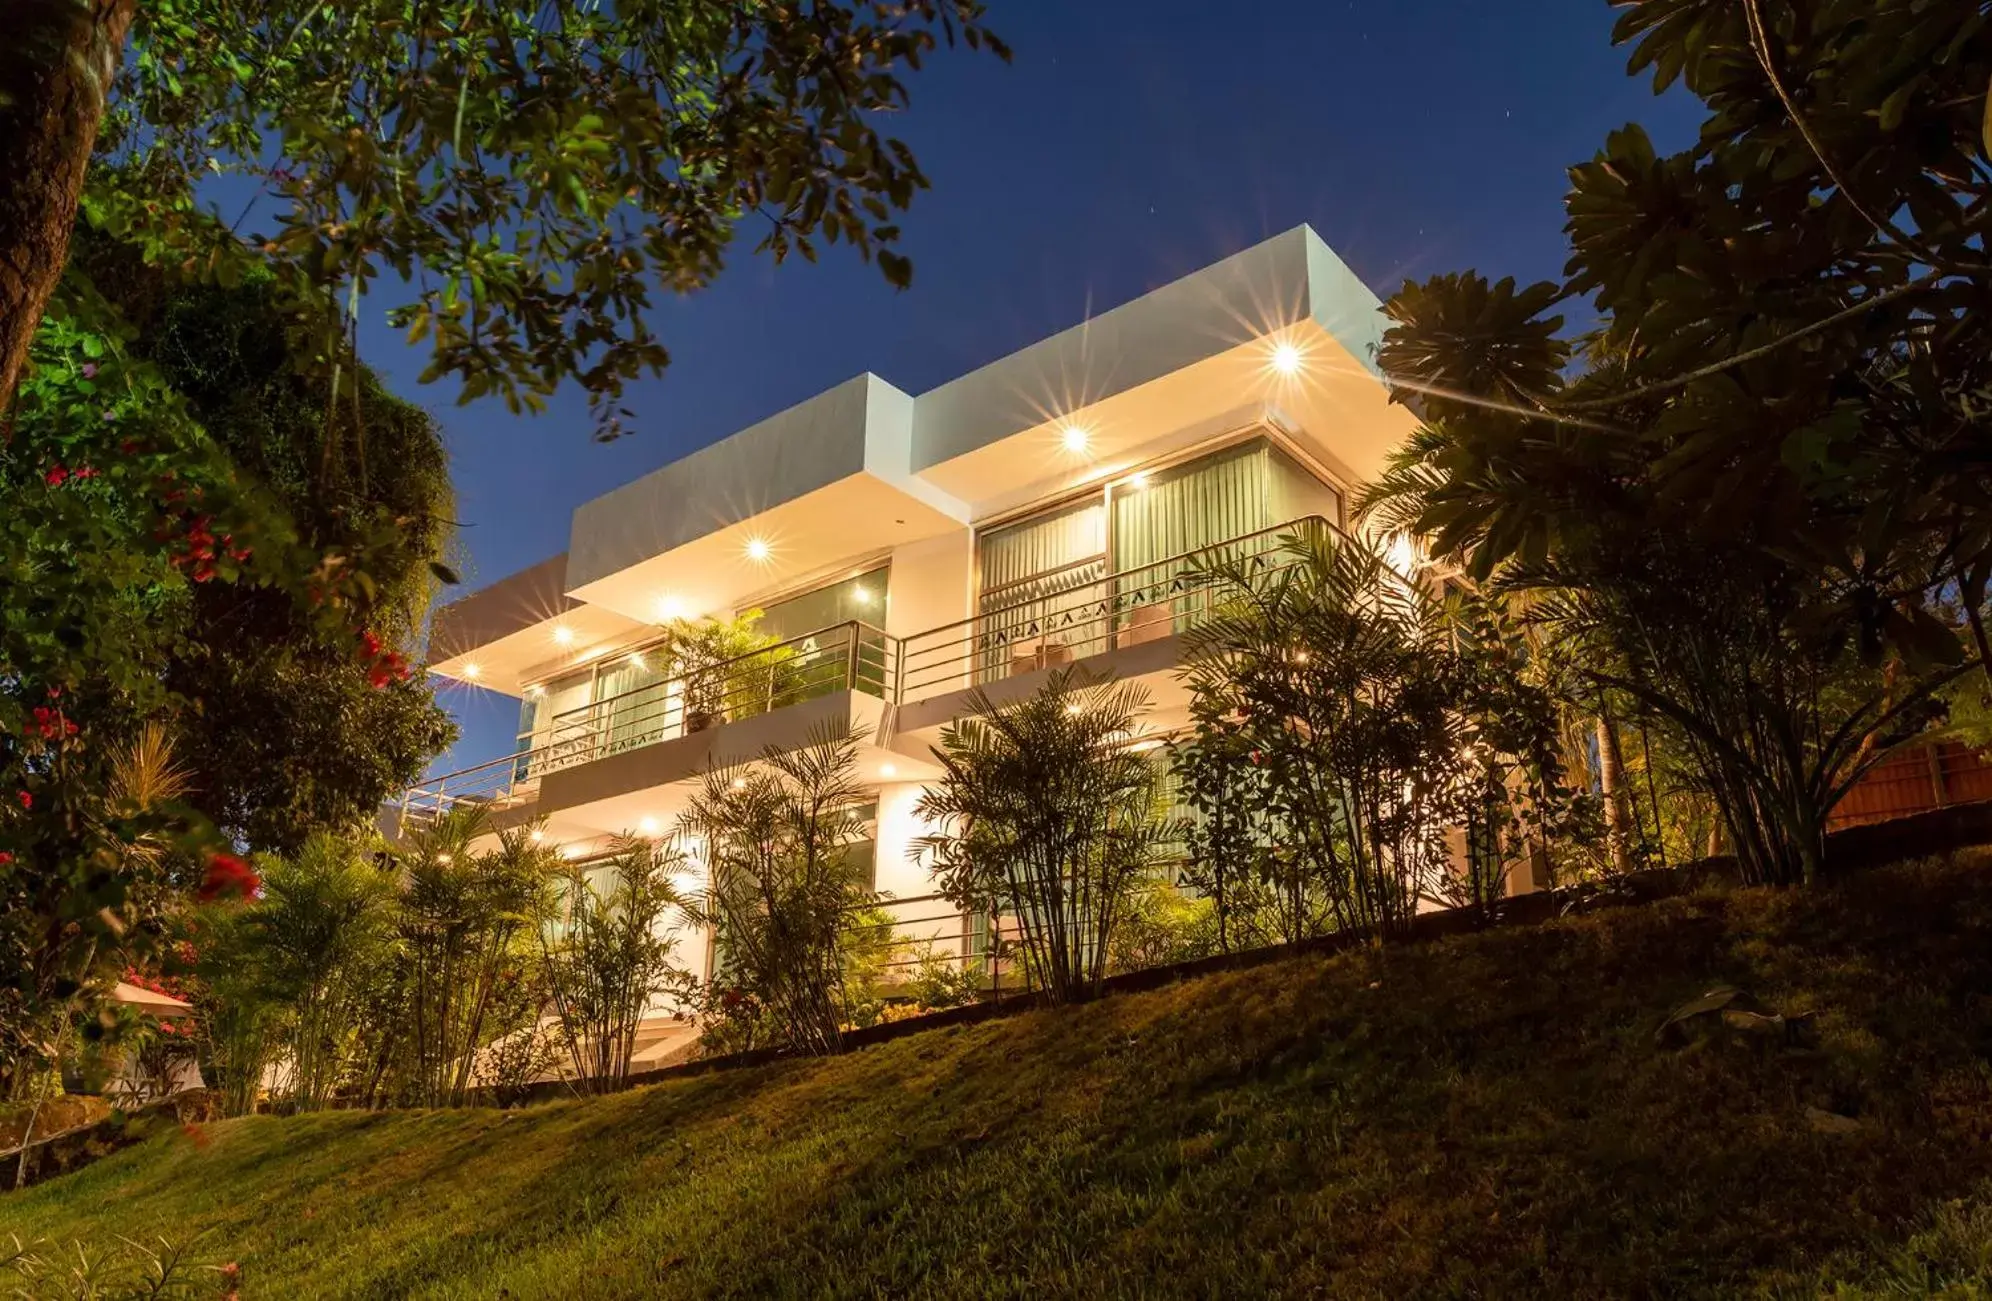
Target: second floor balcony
1119,620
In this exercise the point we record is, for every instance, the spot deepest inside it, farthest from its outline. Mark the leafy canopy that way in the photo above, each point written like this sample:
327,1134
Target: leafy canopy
531,171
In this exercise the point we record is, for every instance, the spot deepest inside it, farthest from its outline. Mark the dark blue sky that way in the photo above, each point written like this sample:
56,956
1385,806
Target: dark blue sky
1130,142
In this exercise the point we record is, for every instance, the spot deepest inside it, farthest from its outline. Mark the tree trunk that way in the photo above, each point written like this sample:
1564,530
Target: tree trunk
57,61
1611,780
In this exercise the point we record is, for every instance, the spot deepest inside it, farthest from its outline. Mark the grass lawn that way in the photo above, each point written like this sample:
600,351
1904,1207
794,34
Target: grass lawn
1487,1116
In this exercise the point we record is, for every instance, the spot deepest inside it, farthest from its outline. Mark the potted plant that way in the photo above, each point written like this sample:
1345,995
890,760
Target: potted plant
705,654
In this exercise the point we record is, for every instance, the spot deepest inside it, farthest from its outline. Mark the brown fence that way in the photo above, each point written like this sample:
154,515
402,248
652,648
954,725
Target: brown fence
1916,779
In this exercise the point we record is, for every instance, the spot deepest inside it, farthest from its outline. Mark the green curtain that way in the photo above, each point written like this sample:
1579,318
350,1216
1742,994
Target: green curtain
633,695
1041,586
1187,509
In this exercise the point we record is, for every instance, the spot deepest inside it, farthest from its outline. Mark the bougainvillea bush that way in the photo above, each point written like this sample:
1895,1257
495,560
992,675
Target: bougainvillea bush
115,508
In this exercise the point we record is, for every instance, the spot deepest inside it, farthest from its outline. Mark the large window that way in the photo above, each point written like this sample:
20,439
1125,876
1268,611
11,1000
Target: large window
857,599
1111,569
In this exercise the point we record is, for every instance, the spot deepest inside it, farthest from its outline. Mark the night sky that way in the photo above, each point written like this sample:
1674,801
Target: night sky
1130,142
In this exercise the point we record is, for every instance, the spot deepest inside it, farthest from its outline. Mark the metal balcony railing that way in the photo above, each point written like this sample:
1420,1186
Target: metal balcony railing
1067,615
844,657
1083,610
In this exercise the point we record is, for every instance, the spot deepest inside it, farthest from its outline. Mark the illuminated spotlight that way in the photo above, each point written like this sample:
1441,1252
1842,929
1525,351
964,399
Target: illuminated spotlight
648,826
740,783
563,635
1074,707
1287,359
1075,438
472,672
887,770
538,835
862,595
670,607
1139,480
758,550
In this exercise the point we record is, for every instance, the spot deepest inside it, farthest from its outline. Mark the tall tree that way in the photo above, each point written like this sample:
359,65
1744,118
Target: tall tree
1774,433
531,171
285,731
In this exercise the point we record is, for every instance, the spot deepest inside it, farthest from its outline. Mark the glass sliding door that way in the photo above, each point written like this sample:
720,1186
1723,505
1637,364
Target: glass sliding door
1042,591
819,621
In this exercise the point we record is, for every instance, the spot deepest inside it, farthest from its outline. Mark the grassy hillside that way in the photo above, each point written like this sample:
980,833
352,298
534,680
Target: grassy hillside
1490,1116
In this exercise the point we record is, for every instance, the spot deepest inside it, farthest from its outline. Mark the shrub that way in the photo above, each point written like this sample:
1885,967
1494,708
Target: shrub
606,954
781,877
1045,810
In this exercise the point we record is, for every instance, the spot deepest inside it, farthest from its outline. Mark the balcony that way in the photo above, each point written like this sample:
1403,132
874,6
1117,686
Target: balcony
702,704
1082,612
1124,621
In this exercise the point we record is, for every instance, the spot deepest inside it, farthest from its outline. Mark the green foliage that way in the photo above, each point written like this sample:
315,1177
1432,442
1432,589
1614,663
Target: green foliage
321,935
780,878
606,952
122,1269
1332,676
532,173
466,920
1043,813
285,728
724,672
1500,1094
1164,924
1758,506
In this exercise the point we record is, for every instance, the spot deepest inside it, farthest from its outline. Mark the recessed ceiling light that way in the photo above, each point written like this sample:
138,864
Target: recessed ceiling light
758,550
739,783
648,826
538,835
887,770
563,635
1286,359
670,607
1074,438
472,672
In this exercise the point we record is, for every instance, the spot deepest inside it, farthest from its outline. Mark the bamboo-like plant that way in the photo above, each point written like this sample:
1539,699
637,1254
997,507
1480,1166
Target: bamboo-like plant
781,877
464,917
606,953
322,932
1332,674
1045,810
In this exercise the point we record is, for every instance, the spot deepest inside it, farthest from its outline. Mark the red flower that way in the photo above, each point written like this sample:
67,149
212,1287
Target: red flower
5,858
55,476
86,472
27,800
227,874
369,642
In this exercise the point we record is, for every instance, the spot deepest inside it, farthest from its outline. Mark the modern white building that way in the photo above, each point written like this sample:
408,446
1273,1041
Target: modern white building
905,548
